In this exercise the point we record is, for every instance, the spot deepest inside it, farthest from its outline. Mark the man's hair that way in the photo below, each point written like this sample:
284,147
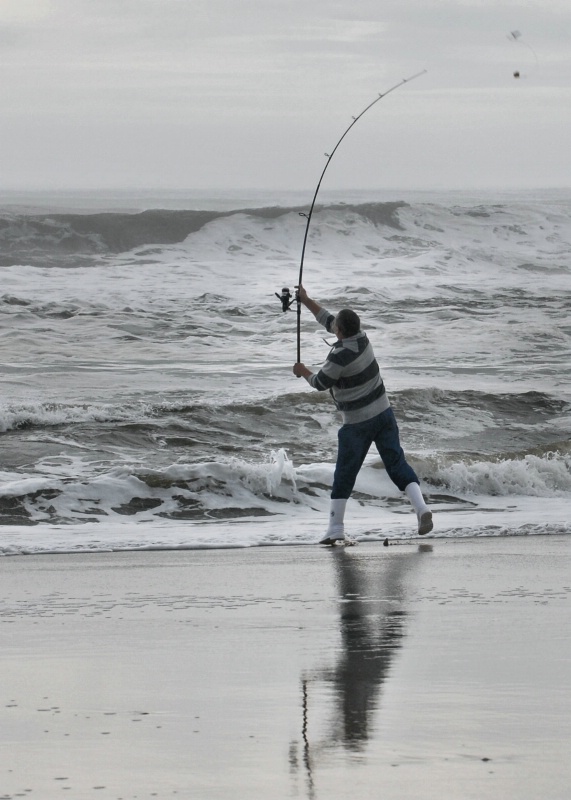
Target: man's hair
348,322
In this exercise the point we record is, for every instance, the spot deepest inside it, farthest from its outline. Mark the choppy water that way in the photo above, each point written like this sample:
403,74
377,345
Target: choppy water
148,399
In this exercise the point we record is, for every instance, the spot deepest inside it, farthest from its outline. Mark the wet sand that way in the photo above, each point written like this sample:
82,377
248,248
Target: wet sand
438,670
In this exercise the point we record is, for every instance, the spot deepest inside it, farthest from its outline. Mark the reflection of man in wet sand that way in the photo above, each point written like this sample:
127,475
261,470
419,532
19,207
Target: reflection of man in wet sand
372,627
372,617
371,630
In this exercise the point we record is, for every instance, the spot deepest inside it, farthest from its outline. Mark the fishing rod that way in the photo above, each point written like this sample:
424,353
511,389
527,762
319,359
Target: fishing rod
286,298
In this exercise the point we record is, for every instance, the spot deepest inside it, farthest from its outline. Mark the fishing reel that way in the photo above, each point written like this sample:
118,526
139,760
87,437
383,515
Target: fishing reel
286,298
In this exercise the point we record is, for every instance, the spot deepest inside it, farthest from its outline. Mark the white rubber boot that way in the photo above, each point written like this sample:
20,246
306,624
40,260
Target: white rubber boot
336,530
423,513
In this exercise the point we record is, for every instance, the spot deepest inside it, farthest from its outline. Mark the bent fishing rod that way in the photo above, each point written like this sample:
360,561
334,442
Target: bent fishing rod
286,298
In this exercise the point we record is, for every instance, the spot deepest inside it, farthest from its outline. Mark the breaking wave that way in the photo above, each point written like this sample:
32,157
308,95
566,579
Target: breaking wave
540,241
233,488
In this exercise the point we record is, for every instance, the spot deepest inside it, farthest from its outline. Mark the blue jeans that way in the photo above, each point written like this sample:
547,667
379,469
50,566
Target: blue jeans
354,443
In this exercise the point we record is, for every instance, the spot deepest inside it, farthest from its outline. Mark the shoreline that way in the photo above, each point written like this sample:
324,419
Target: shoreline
410,541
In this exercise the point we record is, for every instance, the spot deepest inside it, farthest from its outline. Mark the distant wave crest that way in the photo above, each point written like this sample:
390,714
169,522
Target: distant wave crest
58,238
536,235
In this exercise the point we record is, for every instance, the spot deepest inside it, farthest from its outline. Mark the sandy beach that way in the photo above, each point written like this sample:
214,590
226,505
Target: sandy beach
437,669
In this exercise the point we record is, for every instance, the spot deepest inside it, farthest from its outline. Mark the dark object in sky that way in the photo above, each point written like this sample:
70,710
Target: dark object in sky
515,36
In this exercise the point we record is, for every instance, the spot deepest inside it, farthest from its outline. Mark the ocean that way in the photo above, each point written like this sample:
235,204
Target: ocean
148,397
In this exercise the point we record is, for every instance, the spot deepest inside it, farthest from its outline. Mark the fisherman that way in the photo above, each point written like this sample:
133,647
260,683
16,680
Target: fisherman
351,373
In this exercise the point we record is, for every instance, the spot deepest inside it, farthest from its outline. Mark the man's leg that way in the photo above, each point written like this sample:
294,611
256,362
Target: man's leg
354,442
353,447
399,470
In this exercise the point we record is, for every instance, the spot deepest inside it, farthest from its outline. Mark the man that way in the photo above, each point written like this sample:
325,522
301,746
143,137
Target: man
352,375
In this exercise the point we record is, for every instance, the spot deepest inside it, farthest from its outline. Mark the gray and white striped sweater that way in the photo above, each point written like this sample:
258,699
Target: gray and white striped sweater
351,373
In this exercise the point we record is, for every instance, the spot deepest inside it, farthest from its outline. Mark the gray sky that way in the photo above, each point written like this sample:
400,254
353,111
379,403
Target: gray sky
234,94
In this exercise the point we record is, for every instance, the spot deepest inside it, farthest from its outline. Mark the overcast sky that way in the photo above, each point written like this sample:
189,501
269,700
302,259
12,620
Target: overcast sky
238,94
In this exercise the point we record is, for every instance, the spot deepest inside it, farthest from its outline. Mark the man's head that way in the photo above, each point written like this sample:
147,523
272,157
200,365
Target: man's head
346,323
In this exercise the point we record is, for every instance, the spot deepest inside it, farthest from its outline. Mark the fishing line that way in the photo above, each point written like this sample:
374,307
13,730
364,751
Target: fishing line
286,298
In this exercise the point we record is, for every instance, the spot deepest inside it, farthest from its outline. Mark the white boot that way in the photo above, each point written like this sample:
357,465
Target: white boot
423,513
336,530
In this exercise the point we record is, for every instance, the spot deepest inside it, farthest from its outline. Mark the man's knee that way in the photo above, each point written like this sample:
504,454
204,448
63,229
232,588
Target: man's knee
402,474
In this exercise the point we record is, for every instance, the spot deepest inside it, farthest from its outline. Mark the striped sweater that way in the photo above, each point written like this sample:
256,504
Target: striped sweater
351,373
